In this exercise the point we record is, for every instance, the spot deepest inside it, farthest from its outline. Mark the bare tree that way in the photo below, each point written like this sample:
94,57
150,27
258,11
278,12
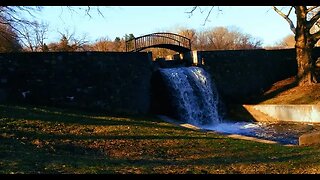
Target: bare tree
119,44
189,33
222,38
103,44
33,37
246,41
307,19
69,42
8,40
12,16
286,42
202,41
15,18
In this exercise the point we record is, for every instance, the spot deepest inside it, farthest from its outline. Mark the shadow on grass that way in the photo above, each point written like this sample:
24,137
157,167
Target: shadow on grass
21,158
68,117
222,160
274,93
31,159
77,155
46,136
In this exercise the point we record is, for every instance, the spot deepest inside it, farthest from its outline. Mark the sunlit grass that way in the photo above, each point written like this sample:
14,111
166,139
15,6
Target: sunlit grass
51,140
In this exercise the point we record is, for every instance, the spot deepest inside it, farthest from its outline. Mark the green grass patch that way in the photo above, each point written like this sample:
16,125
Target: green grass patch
46,140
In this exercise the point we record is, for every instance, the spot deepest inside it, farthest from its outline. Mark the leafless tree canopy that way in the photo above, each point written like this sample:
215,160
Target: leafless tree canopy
25,28
286,42
220,38
12,16
32,38
105,44
9,42
69,42
310,13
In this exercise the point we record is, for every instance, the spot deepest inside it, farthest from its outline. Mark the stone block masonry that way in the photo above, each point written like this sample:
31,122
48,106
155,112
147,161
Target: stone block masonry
112,82
241,75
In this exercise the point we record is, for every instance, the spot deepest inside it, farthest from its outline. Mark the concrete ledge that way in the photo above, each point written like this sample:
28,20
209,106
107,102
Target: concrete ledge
190,126
237,136
295,113
309,139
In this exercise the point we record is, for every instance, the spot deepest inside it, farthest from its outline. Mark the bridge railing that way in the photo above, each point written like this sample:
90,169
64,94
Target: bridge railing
154,39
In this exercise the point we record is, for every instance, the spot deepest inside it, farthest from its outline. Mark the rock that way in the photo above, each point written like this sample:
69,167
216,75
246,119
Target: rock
309,139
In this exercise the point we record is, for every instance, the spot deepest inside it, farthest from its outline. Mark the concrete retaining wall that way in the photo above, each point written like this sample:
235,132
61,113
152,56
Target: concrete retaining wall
294,113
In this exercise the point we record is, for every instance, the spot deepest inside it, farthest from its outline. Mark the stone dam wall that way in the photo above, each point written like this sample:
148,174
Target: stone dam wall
113,82
243,74
128,83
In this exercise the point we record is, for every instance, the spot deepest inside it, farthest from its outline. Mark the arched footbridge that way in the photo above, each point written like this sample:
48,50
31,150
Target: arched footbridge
170,41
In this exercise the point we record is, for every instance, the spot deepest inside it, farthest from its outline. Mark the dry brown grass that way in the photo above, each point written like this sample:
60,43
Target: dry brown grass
287,92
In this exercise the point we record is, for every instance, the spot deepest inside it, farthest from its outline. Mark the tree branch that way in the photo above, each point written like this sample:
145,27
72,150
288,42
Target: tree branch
311,8
192,10
99,12
197,7
313,20
289,11
208,16
88,11
293,29
316,36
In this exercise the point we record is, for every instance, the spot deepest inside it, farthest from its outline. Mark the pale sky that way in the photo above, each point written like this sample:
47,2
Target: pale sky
259,21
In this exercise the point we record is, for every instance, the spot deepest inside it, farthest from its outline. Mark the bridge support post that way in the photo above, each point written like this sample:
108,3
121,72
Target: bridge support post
150,56
193,58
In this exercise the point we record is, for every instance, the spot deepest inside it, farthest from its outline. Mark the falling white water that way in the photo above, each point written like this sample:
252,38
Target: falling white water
194,98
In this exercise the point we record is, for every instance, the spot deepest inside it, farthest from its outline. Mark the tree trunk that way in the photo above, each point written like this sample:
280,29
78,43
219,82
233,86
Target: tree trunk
306,72
304,45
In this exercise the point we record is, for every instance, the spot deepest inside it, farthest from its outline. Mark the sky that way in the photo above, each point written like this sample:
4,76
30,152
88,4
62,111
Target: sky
259,21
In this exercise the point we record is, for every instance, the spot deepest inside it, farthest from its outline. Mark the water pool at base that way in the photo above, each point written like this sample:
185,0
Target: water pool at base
281,132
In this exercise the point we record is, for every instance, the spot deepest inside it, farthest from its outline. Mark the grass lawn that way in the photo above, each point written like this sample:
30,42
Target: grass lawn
45,140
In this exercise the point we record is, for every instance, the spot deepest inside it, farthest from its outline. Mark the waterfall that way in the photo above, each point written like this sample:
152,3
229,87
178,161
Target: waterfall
194,96
194,99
